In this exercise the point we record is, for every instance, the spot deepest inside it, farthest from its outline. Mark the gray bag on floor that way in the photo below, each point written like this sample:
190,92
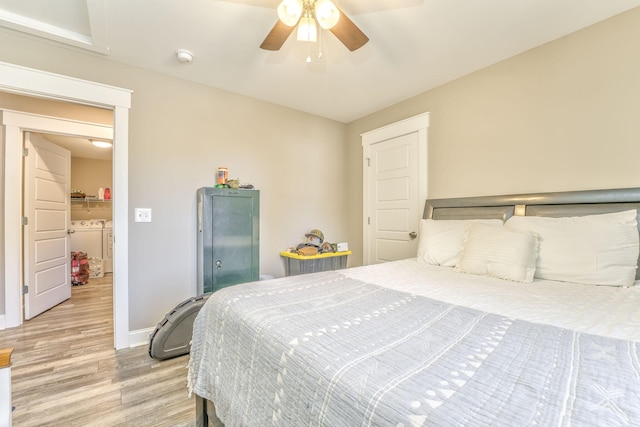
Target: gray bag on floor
172,336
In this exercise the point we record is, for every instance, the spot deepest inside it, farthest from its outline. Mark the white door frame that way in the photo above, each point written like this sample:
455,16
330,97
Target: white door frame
31,82
417,124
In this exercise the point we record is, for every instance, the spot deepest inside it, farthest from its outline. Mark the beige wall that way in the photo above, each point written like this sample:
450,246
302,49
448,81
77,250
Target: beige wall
180,133
48,107
88,175
563,116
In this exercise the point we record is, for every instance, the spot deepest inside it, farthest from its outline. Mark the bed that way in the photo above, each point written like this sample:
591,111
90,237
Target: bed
517,310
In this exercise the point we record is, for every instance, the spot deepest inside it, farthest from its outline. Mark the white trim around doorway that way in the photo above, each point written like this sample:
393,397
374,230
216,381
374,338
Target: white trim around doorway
31,82
418,124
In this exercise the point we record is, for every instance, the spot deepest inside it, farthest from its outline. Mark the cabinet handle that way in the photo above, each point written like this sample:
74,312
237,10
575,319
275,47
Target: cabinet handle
200,208
218,264
413,235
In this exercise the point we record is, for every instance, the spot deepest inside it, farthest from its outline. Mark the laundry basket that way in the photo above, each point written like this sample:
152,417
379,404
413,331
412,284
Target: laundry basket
96,267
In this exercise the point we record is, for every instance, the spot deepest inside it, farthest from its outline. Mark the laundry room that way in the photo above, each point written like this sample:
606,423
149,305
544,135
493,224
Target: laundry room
91,227
90,220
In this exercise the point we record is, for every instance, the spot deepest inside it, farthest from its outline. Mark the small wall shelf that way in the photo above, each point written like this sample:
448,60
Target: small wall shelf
90,203
88,199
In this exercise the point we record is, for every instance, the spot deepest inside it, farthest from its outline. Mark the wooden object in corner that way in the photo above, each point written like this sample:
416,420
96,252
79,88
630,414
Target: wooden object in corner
5,357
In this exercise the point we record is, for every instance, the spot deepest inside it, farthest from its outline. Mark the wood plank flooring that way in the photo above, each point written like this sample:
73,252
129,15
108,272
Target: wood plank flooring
65,371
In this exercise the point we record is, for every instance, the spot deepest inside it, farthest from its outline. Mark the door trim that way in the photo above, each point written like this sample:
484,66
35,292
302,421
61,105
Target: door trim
31,82
416,124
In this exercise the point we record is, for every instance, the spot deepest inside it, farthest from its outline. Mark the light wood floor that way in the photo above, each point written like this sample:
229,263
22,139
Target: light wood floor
65,371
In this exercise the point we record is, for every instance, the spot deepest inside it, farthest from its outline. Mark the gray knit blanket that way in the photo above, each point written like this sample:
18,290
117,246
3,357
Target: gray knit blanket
326,350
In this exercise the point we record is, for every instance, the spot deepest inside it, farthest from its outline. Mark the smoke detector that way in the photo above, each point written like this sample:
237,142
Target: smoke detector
184,56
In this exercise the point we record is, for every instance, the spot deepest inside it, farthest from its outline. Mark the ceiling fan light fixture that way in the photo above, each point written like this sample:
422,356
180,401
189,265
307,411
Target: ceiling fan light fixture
327,14
307,30
101,144
307,15
290,11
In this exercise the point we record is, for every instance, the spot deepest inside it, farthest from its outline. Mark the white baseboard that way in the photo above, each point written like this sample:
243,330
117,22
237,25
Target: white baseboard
140,337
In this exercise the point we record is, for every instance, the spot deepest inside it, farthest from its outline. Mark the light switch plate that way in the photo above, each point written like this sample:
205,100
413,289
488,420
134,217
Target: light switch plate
142,215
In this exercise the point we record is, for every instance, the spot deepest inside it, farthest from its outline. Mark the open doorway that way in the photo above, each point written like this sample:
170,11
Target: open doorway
46,205
91,201
35,83
65,178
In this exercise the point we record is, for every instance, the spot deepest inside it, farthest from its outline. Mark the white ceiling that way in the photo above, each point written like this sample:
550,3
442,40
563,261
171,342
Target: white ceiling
414,45
80,147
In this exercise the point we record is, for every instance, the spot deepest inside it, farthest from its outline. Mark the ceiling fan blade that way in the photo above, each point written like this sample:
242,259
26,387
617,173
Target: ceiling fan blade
348,33
278,35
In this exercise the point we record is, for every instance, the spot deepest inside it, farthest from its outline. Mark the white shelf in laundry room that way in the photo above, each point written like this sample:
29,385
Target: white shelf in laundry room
90,203
88,199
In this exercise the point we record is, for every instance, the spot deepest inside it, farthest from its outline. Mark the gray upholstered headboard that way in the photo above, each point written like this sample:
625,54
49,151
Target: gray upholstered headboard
570,203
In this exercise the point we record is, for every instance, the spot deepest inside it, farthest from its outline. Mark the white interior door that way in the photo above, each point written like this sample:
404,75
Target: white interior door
47,174
31,82
395,183
395,201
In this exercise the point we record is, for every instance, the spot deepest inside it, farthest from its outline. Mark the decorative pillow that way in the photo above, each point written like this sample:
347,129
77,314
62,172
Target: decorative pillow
496,251
441,240
593,249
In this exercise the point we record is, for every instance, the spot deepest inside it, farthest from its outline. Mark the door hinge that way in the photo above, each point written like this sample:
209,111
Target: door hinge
368,162
368,220
25,152
25,289
25,220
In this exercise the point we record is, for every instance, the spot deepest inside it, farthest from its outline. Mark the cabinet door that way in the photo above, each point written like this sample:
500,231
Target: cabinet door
229,253
232,236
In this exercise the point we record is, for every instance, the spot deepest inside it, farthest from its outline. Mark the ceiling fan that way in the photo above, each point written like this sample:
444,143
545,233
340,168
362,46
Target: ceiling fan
305,14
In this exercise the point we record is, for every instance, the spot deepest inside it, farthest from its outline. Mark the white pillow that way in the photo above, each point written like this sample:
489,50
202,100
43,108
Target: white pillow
497,251
595,249
441,239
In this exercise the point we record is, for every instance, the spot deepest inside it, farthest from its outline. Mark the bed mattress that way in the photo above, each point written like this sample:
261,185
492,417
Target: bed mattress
378,345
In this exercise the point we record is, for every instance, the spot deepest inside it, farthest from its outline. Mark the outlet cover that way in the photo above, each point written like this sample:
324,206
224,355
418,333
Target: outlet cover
142,215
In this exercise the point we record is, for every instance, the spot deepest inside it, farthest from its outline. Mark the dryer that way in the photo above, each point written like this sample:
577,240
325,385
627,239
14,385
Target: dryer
107,246
86,236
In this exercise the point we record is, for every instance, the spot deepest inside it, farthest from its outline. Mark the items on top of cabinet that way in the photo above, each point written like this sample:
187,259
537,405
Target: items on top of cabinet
107,193
223,181
222,176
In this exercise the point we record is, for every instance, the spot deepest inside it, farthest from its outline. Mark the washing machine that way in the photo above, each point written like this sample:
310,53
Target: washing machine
107,246
86,236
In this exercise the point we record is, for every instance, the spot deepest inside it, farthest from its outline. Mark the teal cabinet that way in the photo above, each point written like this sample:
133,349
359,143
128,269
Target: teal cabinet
228,237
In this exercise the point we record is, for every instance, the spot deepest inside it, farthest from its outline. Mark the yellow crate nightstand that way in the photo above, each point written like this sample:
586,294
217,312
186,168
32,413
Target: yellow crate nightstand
295,264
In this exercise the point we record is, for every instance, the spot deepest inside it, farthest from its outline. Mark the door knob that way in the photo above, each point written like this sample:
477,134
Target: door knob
218,264
413,235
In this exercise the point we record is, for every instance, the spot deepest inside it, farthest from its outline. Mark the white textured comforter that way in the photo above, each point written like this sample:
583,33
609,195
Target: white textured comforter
603,310
338,349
